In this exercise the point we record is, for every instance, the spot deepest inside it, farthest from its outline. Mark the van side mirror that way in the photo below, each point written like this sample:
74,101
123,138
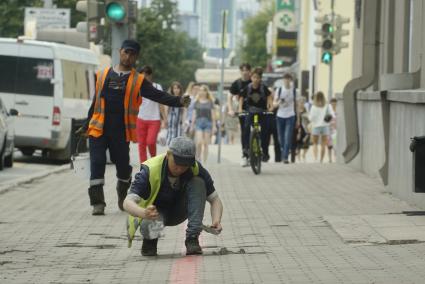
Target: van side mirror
13,112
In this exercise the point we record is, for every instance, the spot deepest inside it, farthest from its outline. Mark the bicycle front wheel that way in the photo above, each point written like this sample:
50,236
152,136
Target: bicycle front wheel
255,152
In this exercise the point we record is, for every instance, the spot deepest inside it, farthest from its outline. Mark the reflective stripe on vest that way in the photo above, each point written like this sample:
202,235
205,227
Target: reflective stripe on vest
155,165
132,101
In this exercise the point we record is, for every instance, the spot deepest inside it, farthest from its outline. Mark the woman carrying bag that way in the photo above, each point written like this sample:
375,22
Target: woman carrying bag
320,116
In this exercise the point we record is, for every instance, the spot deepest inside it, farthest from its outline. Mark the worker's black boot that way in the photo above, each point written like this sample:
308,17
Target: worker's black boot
122,188
97,199
149,247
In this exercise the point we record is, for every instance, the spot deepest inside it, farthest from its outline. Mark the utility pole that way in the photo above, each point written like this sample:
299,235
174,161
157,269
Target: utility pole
223,53
331,64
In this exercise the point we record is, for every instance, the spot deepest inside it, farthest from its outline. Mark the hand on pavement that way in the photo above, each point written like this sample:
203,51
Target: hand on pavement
217,226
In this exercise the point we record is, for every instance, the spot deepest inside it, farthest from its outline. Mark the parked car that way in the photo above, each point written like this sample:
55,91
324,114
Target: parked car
50,84
7,135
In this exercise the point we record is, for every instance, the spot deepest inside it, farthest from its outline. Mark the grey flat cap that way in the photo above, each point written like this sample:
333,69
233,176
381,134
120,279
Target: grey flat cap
184,150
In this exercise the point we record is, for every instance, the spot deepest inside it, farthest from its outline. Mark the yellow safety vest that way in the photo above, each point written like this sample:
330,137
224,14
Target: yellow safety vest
155,166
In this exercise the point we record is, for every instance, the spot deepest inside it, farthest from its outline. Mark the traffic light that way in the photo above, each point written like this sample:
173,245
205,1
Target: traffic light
340,32
326,57
95,11
116,11
327,42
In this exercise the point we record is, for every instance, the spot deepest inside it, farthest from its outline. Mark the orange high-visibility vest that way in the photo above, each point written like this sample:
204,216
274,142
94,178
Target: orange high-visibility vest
132,101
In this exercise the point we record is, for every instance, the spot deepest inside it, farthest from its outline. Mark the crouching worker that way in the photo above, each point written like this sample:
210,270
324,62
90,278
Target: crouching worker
169,189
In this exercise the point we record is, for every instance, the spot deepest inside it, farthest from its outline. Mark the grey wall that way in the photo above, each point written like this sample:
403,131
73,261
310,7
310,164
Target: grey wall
407,119
372,151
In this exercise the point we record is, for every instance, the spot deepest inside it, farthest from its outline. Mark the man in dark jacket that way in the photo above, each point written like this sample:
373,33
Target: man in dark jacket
169,189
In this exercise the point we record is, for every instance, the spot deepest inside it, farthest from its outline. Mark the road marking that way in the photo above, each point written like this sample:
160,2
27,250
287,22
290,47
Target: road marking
186,268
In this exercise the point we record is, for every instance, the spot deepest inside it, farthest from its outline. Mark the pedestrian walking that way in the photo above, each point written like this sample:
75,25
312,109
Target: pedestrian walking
231,123
149,120
272,132
111,122
175,115
285,101
303,135
203,122
191,91
320,116
332,132
235,90
169,189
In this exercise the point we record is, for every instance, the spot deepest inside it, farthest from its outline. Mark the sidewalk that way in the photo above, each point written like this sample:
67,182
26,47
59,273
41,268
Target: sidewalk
297,223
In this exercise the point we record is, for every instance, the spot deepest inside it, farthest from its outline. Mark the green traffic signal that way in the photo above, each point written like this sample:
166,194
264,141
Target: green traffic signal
278,62
327,28
326,57
115,11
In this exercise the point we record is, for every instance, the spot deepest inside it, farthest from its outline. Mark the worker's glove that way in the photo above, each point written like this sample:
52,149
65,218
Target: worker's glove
185,100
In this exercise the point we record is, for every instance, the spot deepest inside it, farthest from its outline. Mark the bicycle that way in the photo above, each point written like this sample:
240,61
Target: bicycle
255,151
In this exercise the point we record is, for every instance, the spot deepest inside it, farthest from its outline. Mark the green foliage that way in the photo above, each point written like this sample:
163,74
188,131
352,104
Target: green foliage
255,29
12,14
172,54
76,16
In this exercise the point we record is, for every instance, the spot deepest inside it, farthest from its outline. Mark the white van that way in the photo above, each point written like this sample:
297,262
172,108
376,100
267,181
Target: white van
50,85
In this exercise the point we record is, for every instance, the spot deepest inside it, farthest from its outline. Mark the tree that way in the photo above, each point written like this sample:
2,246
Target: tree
12,16
76,16
255,28
172,54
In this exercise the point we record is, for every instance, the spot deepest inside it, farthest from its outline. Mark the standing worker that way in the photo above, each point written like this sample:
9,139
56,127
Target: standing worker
111,122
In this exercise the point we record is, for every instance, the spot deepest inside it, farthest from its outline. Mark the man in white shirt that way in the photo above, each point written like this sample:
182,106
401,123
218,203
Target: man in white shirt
285,102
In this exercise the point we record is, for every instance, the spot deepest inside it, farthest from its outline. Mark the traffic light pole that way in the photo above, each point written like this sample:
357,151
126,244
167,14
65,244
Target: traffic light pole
330,89
118,35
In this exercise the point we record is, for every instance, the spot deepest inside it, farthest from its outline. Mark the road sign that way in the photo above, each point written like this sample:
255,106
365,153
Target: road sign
285,20
285,5
48,18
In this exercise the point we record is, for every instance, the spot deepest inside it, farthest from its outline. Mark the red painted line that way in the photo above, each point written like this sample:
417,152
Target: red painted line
186,268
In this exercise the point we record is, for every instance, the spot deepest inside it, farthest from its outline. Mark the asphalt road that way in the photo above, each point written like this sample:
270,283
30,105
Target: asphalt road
25,166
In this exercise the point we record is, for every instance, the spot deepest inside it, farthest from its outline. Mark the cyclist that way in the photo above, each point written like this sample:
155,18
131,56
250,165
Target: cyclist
257,98
235,90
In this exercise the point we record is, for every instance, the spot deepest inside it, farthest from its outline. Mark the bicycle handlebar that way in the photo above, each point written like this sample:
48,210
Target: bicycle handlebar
244,113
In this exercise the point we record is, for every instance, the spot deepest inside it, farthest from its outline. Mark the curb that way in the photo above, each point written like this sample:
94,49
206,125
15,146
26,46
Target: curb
13,183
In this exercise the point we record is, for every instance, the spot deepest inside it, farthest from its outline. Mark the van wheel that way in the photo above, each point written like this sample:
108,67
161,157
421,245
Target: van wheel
2,159
8,161
27,151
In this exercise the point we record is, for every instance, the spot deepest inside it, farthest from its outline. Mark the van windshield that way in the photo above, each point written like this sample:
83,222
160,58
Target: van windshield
27,76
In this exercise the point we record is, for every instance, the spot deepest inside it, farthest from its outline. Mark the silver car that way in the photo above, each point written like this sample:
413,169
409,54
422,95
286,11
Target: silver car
6,136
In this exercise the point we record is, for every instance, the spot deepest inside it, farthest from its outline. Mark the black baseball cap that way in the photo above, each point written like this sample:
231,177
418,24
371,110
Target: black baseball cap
131,44
184,150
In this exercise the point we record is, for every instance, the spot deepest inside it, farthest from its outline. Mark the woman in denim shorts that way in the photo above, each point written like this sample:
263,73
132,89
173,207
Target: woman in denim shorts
320,127
203,122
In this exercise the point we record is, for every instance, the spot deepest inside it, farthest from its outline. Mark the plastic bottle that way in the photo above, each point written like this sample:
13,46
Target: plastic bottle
156,229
